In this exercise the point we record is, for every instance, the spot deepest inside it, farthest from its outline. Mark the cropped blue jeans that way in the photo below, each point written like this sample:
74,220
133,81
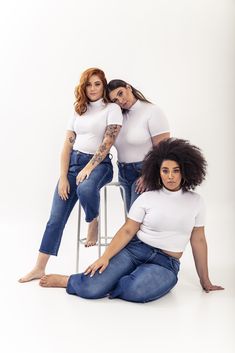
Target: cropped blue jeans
128,173
88,193
138,273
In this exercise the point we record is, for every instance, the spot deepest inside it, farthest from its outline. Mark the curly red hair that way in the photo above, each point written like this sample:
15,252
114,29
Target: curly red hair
80,90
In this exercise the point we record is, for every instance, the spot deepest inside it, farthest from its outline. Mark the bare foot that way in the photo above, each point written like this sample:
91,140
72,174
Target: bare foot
34,274
92,235
54,281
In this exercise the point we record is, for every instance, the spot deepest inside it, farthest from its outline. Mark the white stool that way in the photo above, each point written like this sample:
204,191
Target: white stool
102,240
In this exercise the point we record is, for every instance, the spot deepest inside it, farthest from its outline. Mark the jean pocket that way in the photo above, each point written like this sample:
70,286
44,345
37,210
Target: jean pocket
175,264
138,167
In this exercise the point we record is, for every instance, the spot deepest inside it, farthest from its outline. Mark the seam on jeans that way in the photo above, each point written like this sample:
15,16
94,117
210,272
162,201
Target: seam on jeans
107,171
57,245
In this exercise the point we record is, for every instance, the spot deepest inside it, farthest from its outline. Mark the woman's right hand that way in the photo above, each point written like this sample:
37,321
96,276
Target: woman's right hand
101,264
64,188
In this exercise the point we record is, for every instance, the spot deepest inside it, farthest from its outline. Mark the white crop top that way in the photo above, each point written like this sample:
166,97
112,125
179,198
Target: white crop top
167,218
141,122
90,126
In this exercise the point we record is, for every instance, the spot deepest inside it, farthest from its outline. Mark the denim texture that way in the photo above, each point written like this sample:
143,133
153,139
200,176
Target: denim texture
88,193
128,173
138,273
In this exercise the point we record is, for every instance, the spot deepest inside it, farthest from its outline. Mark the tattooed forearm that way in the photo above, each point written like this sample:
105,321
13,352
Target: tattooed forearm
112,131
110,134
100,154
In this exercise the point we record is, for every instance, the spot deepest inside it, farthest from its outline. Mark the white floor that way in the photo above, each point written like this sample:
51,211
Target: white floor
35,319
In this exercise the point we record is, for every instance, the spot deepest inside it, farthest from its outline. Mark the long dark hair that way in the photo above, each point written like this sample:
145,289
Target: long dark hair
113,84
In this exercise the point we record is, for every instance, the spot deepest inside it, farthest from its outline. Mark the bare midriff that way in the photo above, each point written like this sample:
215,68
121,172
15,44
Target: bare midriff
177,255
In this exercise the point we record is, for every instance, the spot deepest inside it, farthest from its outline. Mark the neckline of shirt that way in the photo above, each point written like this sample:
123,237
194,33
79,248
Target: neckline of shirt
97,104
135,106
169,192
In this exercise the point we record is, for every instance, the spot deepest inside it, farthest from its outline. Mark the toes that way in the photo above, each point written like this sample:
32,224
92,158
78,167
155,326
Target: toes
43,281
90,243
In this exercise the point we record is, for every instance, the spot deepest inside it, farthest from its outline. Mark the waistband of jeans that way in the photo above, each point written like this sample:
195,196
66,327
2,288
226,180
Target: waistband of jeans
123,164
83,153
90,155
164,253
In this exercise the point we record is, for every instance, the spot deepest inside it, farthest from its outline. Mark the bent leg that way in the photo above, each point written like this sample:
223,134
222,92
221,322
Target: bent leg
100,285
88,191
146,283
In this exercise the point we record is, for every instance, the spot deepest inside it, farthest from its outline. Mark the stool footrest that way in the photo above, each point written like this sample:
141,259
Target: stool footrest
83,240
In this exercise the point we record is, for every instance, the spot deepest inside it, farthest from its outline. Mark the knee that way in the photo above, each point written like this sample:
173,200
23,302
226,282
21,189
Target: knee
86,287
142,289
132,289
85,190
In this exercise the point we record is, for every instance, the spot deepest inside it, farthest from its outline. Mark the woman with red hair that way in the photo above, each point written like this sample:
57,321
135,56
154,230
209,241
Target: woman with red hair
85,164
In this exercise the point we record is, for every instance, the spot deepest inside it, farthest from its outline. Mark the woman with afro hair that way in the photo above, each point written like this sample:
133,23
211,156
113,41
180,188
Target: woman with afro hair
142,261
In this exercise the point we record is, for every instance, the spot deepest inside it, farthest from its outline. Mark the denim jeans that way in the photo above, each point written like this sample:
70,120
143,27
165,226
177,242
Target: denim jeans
127,176
138,273
88,193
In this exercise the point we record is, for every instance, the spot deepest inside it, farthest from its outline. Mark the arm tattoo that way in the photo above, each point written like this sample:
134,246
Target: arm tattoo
98,156
111,133
72,139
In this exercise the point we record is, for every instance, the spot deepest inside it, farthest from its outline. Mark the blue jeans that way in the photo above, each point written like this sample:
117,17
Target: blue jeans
138,273
88,193
127,176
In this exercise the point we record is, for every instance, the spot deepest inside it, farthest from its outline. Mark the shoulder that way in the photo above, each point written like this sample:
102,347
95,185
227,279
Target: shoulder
155,109
148,196
151,110
113,107
195,199
193,195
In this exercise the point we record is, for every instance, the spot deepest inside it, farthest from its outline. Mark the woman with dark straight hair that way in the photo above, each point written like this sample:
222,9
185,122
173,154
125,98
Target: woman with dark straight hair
144,126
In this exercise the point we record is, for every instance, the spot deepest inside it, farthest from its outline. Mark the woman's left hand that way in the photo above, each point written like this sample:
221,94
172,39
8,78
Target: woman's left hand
140,187
83,174
208,286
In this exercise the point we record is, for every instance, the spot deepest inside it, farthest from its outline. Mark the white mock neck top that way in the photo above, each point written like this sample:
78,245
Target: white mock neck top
90,126
168,217
141,122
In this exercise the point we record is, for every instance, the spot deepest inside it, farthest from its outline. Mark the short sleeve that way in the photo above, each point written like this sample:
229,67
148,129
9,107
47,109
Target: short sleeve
137,211
157,123
114,114
70,125
201,213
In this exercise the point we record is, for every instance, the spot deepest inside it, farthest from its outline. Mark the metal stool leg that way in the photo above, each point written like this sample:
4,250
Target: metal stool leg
105,237
78,236
105,217
99,233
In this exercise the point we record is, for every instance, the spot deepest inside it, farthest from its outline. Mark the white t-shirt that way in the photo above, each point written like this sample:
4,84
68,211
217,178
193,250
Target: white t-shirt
167,217
90,126
141,122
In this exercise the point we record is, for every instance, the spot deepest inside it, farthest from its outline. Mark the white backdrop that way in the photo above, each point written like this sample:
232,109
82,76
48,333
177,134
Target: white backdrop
180,54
